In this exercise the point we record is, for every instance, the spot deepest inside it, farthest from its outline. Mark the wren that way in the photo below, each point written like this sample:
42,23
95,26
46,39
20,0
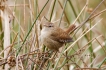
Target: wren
54,37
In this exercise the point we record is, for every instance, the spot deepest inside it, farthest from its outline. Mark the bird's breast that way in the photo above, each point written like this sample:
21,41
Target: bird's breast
49,42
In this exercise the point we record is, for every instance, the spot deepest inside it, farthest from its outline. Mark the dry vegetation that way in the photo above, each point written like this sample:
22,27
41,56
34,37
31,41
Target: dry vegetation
20,26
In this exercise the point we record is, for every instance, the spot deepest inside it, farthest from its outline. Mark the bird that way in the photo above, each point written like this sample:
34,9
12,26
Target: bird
54,37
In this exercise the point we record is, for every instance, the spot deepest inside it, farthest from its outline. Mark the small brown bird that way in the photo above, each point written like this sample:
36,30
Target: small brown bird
54,37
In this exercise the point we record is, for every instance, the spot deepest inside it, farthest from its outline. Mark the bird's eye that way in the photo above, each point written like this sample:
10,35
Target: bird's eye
50,26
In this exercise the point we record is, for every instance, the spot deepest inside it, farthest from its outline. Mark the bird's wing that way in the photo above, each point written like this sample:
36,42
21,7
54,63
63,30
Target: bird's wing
61,36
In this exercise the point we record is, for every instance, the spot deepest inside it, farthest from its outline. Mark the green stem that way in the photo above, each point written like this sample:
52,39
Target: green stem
52,10
63,11
31,28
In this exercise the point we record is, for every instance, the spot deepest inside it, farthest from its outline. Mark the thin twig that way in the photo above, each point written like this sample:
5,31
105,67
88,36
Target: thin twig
19,49
81,36
87,19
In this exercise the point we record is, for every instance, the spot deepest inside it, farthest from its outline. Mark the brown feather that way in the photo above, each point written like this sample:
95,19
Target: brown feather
61,36
70,28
